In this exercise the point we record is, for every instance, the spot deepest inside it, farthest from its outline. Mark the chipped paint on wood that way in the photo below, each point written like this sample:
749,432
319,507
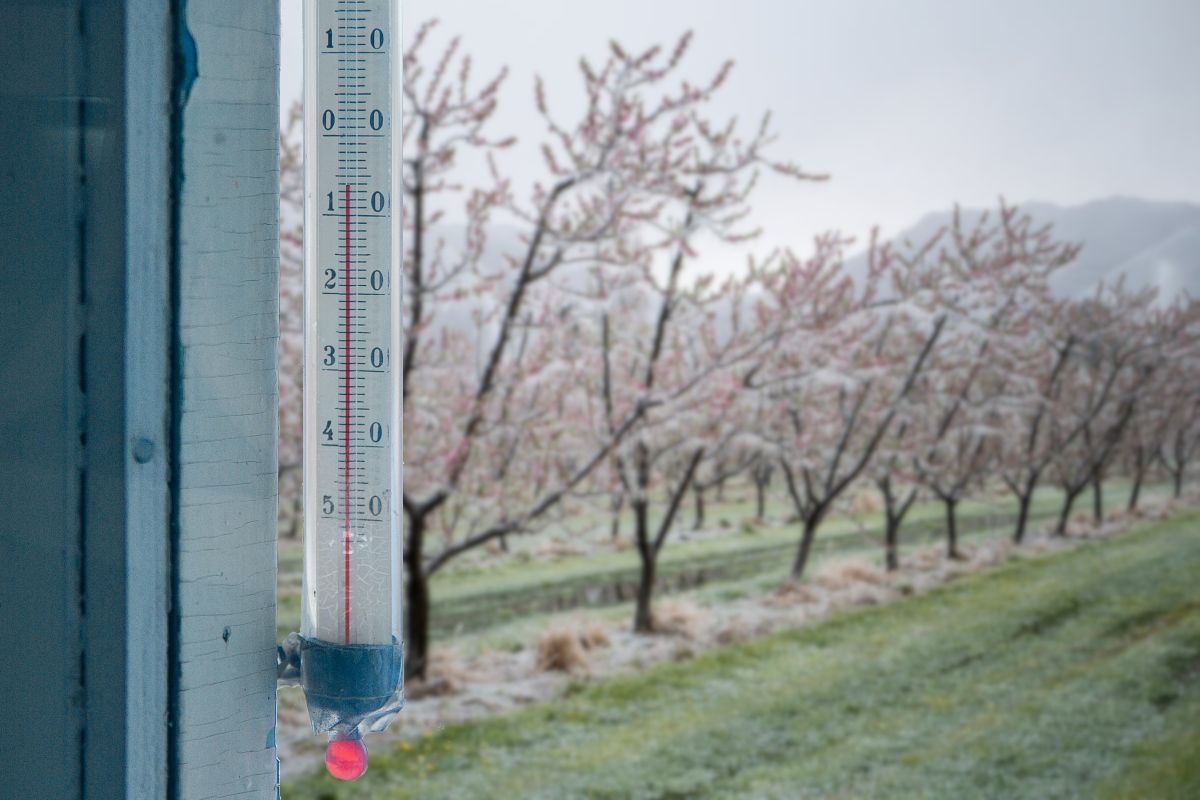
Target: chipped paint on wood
226,384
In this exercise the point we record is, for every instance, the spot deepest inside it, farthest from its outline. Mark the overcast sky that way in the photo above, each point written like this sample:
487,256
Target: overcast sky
910,106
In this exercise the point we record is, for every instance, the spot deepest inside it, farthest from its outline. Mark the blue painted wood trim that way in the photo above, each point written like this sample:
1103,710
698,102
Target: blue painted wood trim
84,210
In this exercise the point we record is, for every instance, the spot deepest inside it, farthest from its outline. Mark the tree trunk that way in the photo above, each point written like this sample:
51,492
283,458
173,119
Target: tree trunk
952,529
1139,475
642,621
892,516
1178,475
617,505
416,634
642,617
760,496
891,544
1098,499
1065,516
699,493
1023,501
721,489
806,541
293,528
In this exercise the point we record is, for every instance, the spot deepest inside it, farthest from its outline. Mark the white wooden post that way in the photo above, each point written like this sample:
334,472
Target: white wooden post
223,718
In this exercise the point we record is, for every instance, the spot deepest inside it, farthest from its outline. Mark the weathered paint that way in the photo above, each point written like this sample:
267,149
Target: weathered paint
145,445
134,373
84,270
227,291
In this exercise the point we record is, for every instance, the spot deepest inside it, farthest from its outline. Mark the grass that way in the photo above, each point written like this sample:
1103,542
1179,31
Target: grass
471,597
1076,675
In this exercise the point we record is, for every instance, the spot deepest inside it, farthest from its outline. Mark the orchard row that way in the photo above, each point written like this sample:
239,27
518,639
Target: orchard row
564,348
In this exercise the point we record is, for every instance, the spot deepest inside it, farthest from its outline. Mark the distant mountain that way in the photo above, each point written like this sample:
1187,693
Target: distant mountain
1150,242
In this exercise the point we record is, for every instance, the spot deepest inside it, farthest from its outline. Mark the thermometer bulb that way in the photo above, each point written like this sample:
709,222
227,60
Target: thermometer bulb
346,759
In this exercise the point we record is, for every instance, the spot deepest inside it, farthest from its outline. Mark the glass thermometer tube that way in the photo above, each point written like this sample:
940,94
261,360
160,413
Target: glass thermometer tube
351,661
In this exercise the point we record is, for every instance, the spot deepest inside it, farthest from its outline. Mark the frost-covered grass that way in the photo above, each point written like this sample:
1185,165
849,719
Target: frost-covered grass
1076,675
523,585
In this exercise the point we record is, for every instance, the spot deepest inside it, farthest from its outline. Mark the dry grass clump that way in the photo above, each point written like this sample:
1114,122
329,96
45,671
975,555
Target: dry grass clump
864,595
791,594
677,618
838,575
865,573
565,649
736,630
561,650
1121,515
594,635
1081,524
926,558
444,675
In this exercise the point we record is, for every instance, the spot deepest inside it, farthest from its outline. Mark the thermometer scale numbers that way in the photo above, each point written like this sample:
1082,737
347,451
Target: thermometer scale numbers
349,380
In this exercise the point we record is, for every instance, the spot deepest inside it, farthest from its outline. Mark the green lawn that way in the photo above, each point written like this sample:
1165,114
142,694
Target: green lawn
1071,676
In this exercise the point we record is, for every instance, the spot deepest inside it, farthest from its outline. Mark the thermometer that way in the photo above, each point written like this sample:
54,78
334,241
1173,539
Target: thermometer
350,654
